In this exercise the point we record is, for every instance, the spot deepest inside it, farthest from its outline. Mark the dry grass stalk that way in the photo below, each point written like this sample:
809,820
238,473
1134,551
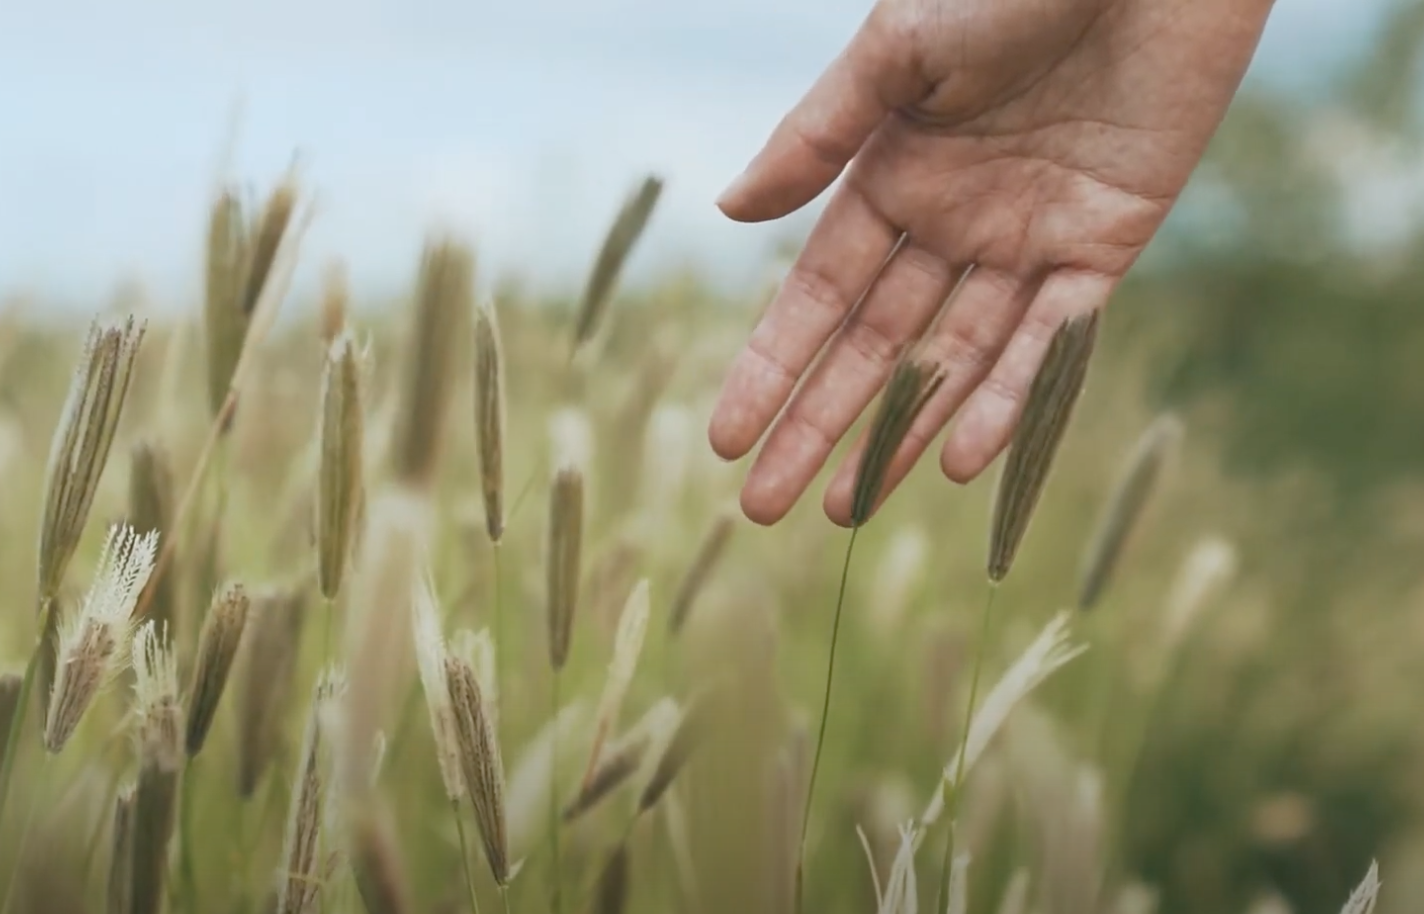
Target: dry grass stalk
565,542
268,679
217,649
911,386
82,439
632,754
379,650
300,882
490,415
119,890
622,236
340,472
1126,505
1047,654
444,299
335,302
691,730
93,642
901,891
614,883
1206,570
160,741
1046,414
704,563
376,864
430,653
151,509
480,762
627,648
224,317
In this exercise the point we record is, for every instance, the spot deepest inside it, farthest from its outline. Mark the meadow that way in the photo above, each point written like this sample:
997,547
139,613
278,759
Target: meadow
444,605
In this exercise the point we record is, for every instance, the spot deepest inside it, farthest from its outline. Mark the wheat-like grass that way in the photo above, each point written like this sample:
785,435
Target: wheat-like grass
1047,411
341,466
618,244
217,650
151,509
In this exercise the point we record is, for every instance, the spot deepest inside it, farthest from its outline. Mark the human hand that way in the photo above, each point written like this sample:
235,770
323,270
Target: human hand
1041,141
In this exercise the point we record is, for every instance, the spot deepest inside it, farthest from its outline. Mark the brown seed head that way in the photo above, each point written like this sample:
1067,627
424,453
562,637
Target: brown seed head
335,302
691,730
151,509
265,240
615,768
224,317
1040,430
489,415
341,472
1125,506
81,443
481,762
910,387
563,559
300,881
622,235
444,299
611,896
267,681
709,553
217,649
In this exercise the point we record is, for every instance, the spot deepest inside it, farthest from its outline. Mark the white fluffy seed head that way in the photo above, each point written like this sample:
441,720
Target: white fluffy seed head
156,702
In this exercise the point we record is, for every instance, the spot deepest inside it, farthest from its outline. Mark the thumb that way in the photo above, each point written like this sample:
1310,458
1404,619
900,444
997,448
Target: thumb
875,74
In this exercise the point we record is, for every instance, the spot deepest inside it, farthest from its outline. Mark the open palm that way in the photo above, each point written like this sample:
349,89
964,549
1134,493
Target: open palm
1020,153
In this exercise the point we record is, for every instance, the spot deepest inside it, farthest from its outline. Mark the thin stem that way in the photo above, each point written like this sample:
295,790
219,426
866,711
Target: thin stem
504,898
960,765
189,880
825,716
185,504
465,857
330,622
23,843
500,648
22,706
555,881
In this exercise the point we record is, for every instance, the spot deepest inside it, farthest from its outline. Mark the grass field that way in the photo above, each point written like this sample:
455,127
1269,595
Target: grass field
1208,752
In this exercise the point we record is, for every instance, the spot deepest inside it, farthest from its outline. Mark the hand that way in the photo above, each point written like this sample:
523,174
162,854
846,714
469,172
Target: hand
1041,141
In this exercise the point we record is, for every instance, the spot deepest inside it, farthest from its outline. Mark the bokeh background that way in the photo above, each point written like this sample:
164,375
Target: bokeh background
1279,314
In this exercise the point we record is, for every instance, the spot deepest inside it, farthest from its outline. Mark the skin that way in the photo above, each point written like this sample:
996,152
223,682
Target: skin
1040,142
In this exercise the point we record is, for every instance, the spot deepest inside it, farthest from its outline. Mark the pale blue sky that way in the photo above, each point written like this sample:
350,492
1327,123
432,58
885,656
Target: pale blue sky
521,122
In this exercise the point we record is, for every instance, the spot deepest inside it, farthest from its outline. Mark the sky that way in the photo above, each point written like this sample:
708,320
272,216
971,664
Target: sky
520,124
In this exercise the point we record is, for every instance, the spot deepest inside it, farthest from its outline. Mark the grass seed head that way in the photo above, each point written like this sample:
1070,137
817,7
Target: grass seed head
81,443
264,242
490,415
614,883
268,681
300,882
157,708
910,387
1046,414
627,648
444,298
481,762
93,642
691,730
704,563
151,509
1129,499
335,302
340,470
224,317
565,543
218,644
622,236
430,653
